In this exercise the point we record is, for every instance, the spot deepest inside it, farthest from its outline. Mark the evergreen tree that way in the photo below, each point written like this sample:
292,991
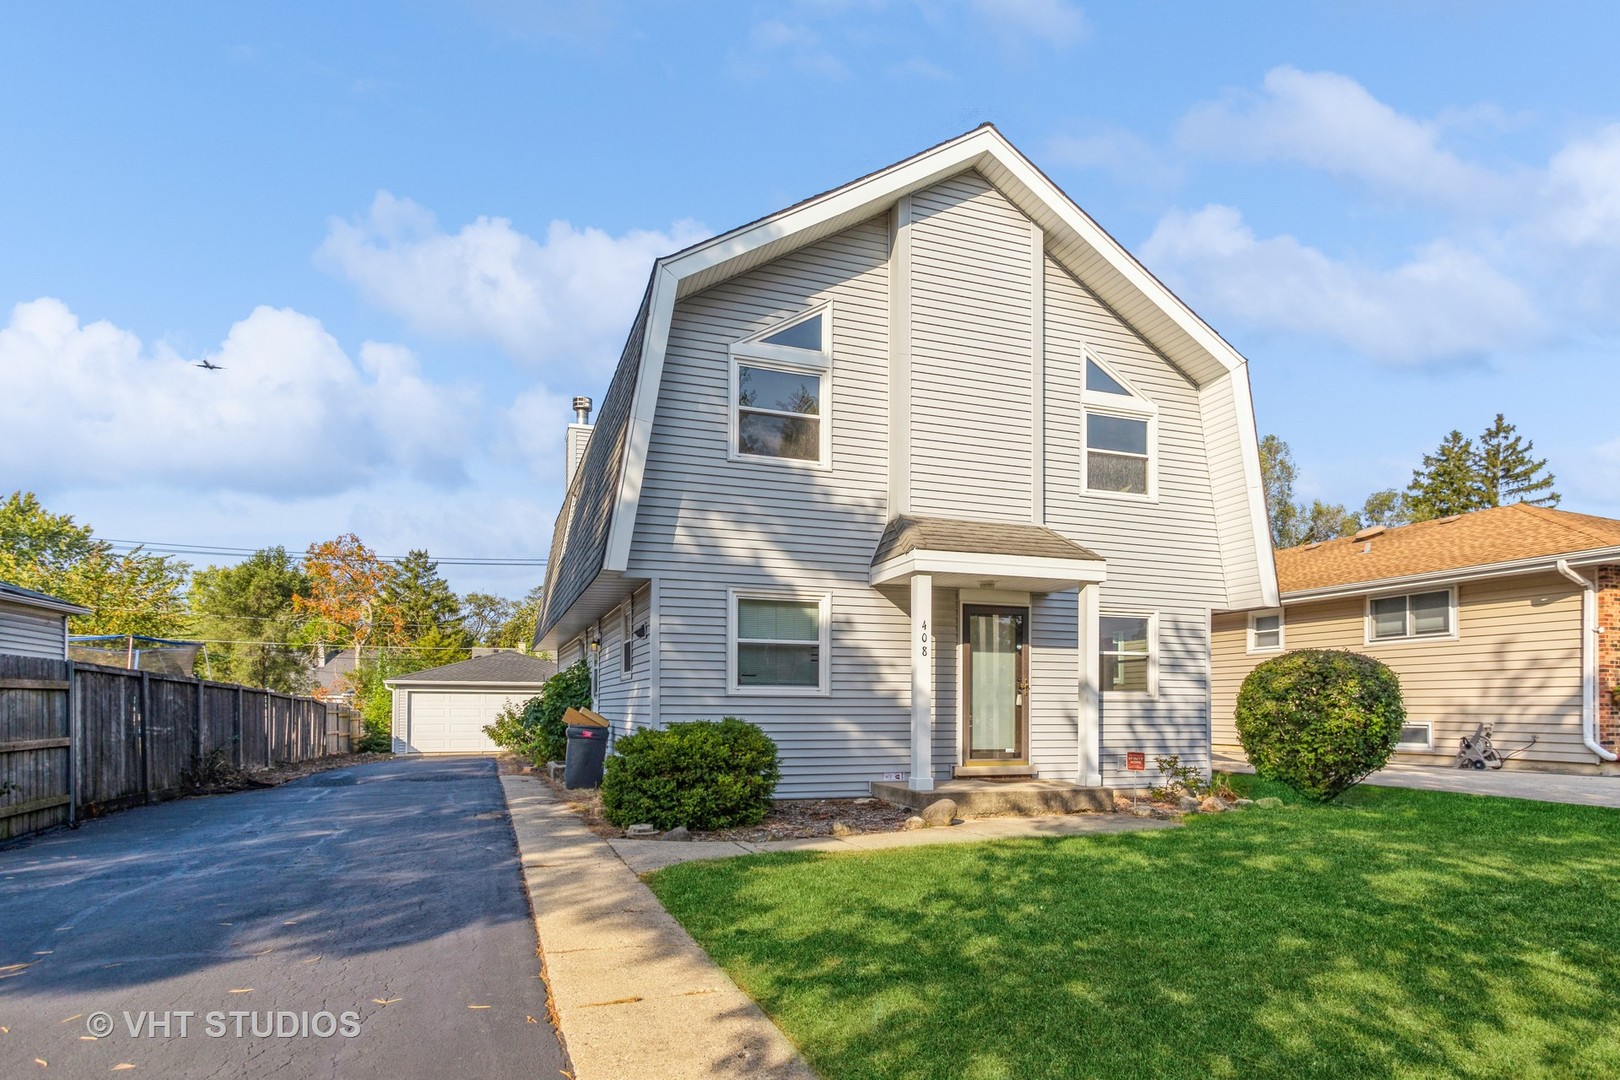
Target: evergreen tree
253,601
1449,482
1508,472
424,610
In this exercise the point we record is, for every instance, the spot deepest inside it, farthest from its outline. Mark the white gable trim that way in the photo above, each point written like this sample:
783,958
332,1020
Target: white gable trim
986,150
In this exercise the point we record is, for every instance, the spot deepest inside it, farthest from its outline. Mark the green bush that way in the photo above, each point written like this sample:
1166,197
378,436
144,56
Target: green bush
706,774
1319,720
537,730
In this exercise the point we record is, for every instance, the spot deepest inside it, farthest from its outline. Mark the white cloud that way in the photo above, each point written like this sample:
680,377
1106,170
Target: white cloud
567,300
1444,304
1328,121
1580,196
1128,157
1049,22
290,412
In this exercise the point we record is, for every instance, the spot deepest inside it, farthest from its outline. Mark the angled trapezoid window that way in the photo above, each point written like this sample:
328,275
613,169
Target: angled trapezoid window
779,389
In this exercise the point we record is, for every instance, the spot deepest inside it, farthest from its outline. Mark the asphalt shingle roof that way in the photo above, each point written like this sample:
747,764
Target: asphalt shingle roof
16,594
911,533
1498,535
502,668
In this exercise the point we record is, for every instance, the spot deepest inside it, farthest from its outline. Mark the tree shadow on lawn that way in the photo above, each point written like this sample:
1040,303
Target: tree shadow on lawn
1402,933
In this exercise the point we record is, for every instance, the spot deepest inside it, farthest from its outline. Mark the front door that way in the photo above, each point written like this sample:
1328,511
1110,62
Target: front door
995,683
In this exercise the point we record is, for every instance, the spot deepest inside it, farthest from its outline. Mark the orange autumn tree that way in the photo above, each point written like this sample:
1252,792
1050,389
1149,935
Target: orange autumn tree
346,580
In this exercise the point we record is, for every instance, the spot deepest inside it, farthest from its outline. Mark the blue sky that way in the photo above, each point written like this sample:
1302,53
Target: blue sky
410,232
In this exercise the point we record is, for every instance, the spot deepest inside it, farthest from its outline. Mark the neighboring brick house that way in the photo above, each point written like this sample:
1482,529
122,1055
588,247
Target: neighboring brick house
1508,616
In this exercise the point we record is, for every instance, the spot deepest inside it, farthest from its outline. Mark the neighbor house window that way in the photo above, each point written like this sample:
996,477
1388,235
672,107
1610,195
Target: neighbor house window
1416,737
1266,631
1119,434
1127,649
1415,615
779,644
779,390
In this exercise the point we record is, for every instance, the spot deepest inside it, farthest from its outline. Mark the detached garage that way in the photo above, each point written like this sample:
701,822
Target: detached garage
443,710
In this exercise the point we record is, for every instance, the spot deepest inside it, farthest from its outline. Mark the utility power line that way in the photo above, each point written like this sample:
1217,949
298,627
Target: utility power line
158,548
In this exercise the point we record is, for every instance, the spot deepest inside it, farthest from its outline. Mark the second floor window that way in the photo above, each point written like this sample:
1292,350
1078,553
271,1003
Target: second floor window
1119,435
779,384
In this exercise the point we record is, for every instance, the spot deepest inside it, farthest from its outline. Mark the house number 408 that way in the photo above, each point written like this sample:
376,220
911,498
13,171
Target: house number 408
922,640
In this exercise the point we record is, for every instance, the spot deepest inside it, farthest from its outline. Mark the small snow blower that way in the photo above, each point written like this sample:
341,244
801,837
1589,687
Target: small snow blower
1478,751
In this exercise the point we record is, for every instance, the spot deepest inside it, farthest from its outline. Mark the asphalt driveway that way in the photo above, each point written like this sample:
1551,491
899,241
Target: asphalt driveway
363,922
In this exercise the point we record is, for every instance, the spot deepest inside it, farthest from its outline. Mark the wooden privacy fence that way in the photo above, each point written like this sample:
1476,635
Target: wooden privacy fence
82,739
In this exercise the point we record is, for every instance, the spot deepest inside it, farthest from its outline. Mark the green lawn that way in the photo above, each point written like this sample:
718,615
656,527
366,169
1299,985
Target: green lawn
1397,933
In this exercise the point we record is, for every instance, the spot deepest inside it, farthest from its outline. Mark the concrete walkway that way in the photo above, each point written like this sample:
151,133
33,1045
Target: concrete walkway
633,994
645,856
1508,783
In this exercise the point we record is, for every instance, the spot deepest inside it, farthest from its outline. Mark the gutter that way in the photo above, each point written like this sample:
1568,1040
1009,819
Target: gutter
1589,632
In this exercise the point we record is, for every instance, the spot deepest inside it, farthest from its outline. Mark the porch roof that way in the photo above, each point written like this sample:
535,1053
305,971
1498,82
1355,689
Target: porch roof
962,552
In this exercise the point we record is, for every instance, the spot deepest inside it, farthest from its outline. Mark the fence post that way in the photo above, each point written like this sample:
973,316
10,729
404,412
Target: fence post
197,759
74,748
240,760
146,740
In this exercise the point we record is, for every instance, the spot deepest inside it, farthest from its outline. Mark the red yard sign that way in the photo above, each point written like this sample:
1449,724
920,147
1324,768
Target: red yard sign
1135,760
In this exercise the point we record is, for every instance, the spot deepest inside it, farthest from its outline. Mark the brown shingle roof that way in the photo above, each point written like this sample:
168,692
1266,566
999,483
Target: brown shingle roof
503,668
908,533
1499,535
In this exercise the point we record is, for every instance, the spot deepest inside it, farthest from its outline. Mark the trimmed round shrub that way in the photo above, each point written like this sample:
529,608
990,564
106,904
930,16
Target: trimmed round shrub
704,774
1319,720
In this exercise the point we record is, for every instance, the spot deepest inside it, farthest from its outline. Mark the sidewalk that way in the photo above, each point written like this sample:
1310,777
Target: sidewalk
633,995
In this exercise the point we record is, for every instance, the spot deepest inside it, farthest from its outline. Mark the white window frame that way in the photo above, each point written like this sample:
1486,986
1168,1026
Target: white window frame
824,643
1414,748
753,352
1409,637
1282,631
1152,692
1135,407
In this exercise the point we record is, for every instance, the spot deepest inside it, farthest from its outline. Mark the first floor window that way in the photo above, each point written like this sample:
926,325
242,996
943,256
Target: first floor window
778,413
1417,615
1127,652
779,643
1116,453
1265,631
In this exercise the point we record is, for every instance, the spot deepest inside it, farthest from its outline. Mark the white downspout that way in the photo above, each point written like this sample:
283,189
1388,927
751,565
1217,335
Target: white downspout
1589,633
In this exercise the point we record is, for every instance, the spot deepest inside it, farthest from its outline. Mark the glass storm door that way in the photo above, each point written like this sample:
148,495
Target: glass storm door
995,682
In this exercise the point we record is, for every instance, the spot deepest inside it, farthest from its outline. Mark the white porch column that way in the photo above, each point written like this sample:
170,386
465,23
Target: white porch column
1090,680
922,682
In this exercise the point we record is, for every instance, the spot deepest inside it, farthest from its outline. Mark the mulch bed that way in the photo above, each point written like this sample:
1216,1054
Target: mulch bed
788,819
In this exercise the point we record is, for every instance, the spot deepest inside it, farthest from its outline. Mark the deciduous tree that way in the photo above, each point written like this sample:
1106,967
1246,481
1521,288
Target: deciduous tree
249,607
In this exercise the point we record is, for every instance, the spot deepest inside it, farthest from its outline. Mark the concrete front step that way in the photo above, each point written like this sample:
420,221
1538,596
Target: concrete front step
993,798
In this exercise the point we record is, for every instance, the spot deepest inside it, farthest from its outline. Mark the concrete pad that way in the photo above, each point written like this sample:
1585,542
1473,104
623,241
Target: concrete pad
645,856
634,995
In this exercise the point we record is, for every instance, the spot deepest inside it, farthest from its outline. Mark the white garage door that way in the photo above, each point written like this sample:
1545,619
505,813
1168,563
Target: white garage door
451,722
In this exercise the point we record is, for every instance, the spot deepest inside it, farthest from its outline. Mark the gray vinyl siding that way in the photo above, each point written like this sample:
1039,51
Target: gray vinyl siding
1163,556
1224,454
972,338
1054,680
571,653
625,697
27,631
947,673
707,524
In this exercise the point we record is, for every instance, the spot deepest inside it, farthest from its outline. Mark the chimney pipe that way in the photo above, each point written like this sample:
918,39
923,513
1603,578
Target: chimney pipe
579,438
582,409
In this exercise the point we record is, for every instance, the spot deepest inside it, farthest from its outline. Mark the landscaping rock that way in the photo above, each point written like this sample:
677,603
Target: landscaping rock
867,801
1270,803
1242,804
1123,804
643,831
939,812
915,823
679,832
843,828
1140,811
1211,805
1164,815
1189,804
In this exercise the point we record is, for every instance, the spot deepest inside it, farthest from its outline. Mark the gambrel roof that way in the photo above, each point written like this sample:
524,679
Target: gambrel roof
591,543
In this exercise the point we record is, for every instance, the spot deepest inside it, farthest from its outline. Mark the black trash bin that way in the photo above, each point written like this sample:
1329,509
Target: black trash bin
587,749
